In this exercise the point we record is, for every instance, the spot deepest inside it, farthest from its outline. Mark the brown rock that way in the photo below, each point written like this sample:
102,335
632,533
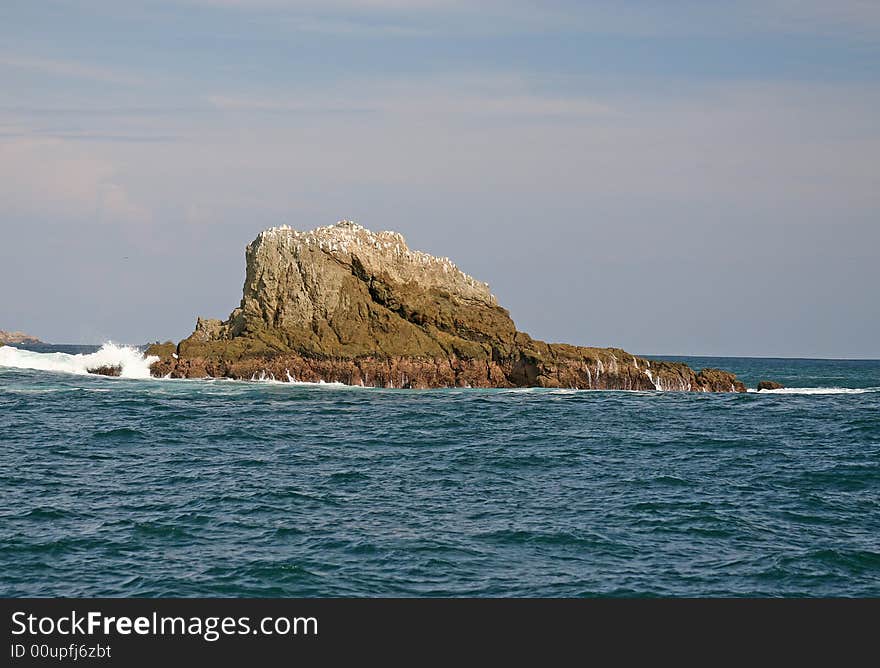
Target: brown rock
343,304
16,337
769,385
106,370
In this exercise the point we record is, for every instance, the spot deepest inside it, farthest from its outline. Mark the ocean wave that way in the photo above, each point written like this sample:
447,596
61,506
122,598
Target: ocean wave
131,361
817,390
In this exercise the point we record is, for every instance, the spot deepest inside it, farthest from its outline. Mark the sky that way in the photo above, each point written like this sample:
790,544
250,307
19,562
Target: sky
678,178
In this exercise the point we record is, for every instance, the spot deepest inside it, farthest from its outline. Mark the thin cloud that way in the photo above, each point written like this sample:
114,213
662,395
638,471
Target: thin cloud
63,180
281,105
86,136
349,27
860,17
384,5
477,96
853,18
125,139
107,111
69,69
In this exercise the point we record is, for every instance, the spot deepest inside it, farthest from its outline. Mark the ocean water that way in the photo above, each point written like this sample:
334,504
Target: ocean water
145,487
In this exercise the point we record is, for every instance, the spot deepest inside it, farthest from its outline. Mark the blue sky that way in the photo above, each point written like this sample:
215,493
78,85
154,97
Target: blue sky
677,177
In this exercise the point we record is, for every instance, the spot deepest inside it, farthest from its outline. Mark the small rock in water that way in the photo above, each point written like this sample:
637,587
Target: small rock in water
107,370
769,385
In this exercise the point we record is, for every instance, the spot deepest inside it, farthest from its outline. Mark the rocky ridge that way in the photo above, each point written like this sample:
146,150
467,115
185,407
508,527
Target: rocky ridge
344,304
16,337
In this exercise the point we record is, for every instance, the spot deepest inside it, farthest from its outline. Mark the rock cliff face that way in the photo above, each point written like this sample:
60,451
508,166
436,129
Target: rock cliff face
343,304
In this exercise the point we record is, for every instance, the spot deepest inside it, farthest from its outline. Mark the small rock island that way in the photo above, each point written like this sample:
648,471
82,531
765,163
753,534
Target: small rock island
16,337
344,304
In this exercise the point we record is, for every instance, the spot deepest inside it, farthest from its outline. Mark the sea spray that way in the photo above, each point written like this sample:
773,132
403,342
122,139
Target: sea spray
816,390
131,362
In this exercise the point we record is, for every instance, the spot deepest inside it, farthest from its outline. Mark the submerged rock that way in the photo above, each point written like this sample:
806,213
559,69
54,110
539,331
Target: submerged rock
769,385
344,304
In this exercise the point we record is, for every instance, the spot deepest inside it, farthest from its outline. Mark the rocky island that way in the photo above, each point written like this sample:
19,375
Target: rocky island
16,337
344,304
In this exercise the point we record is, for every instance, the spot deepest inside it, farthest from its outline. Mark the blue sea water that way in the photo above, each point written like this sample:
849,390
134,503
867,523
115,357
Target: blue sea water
149,487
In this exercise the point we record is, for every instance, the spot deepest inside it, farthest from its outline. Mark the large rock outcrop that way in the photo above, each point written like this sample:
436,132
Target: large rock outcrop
344,304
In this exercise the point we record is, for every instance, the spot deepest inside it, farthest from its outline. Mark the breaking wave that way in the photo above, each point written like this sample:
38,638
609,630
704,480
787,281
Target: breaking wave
131,362
818,390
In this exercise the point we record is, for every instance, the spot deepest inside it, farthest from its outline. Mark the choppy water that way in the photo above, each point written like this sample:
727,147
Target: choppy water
128,487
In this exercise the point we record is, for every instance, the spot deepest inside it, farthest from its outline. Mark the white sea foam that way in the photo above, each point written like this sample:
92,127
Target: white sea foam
264,377
322,383
270,379
130,360
818,390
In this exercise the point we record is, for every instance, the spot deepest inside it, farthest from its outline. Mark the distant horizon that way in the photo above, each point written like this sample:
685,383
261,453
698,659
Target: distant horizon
638,354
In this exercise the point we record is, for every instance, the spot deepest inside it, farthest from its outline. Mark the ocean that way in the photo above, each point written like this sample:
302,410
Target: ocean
150,487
